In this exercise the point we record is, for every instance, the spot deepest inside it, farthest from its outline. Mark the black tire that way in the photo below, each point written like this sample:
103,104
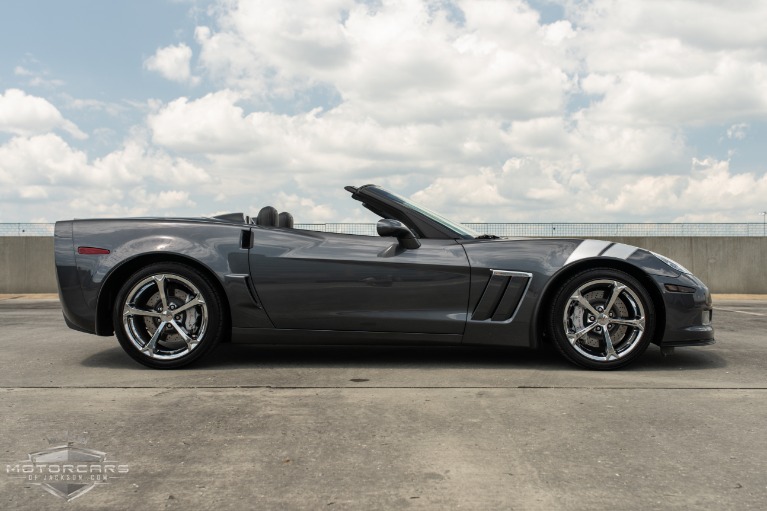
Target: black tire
192,314
583,333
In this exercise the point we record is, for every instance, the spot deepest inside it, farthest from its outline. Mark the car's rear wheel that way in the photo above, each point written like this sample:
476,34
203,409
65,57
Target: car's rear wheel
168,315
602,319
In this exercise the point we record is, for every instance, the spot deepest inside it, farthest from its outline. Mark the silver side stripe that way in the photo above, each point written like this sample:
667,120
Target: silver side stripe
587,248
620,251
594,248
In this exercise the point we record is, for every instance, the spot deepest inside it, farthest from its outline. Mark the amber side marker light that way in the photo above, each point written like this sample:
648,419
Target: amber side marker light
679,289
92,251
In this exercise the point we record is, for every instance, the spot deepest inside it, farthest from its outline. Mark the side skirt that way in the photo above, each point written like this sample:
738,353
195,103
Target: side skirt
331,337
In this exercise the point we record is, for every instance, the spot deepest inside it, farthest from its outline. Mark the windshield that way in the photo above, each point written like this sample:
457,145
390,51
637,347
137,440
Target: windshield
460,229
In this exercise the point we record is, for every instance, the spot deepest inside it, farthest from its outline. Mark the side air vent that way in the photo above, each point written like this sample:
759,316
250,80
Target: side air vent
246,239
502,295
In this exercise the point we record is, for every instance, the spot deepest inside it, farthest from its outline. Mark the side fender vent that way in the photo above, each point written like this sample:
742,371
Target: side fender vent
502,295
246,239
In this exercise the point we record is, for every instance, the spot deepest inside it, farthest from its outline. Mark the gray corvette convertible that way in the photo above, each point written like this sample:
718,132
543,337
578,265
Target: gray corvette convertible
171,289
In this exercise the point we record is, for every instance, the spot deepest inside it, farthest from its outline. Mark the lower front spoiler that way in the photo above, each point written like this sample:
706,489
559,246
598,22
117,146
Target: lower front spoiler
689,342
695,335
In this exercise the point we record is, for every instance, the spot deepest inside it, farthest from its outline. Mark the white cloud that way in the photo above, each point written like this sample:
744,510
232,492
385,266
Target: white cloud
94,105
41,160
652,68
137,162
404,61
475,107
133,180
598,147
264,151
711,192
708,25
303,209
469,115
211,124
173,63
737,131
166,199
33,192
23,114
478,191
731,88
37,78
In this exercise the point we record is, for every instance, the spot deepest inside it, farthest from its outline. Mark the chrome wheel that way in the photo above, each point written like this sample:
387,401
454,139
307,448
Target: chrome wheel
601,318
165,316
604,320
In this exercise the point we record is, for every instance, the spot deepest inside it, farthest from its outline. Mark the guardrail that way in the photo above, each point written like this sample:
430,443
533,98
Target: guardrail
594,230
579,230
582,230
26,229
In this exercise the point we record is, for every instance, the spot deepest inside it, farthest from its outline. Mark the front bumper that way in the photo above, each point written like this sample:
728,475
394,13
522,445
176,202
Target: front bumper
688,315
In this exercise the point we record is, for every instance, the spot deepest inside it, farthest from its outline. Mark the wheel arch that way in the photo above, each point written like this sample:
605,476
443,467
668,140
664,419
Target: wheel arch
549,291
117,277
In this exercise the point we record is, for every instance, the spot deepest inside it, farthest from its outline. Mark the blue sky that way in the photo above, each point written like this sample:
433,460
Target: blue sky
94,50
505,110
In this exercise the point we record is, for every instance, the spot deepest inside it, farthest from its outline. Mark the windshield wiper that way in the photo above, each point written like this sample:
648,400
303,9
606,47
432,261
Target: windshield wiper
487,237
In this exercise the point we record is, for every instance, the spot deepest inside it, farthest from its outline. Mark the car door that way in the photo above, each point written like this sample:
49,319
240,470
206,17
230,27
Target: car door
326,281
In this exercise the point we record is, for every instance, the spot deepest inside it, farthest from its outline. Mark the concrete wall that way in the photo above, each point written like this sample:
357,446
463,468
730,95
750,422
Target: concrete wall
726,265
26,264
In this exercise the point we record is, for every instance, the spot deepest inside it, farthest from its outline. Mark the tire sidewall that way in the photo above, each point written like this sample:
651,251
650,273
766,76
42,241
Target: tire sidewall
215,327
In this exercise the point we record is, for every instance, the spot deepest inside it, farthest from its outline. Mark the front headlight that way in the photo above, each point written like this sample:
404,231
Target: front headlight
673,264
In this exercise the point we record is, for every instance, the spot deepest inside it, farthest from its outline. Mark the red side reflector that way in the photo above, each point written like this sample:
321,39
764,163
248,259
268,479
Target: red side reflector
92,251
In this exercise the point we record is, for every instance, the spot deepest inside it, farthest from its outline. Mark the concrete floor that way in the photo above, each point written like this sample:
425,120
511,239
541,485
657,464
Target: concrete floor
389,428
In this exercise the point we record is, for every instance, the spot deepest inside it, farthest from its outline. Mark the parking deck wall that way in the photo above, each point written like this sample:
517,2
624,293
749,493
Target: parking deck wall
725,264
26,264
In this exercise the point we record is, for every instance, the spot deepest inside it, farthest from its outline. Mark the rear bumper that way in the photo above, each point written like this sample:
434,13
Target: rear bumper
77,326
77,314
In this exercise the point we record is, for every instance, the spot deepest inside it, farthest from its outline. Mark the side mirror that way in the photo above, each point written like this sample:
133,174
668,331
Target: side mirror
395,228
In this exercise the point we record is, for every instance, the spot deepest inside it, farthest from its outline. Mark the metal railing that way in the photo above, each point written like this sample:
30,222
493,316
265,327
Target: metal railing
584,230
594,230
346,228
574,229
26,229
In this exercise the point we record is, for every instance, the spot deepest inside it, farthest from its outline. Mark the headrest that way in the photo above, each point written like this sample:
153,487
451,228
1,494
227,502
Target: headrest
267,217
285,220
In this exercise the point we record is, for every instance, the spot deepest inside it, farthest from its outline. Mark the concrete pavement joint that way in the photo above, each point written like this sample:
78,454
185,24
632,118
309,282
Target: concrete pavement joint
355,387
740,312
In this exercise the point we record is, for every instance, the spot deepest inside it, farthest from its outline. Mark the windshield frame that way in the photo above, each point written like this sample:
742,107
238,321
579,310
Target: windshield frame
460,230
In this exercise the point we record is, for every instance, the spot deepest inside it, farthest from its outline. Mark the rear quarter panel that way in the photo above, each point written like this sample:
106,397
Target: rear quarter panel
214,246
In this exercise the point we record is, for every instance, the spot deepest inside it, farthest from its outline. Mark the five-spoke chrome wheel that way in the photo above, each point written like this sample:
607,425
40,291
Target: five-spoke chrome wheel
602,319
166,314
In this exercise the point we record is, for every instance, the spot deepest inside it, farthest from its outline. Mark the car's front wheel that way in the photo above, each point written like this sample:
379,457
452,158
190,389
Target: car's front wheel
602,319
168,315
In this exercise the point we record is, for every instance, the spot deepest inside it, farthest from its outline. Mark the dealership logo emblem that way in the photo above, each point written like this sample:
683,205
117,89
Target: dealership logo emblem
67,469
